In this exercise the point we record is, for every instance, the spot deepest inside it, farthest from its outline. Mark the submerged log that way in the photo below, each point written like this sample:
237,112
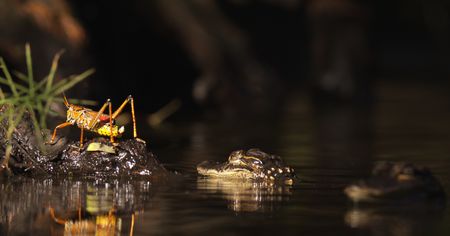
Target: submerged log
128,157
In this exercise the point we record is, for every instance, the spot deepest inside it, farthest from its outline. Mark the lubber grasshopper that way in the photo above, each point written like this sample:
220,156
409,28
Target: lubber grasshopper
97,122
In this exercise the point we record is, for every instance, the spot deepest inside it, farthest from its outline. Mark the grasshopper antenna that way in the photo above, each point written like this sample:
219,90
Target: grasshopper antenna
65,100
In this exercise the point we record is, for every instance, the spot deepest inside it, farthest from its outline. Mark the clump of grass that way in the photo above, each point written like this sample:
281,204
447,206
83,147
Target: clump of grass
35,97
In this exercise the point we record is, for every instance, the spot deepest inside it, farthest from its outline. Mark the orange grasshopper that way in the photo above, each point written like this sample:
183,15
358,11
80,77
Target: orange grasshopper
97,122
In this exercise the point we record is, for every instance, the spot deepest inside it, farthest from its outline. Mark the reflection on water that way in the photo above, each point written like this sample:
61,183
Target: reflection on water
68,207
246,196
97,224
393,221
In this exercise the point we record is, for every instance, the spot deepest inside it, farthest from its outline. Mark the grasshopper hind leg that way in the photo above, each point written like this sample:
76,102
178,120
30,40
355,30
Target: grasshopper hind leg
52,140
111,137
81,137
133,116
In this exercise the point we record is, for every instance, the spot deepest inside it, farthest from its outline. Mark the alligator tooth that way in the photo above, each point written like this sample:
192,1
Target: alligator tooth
269,172
272,178
288,170
280,171
273,169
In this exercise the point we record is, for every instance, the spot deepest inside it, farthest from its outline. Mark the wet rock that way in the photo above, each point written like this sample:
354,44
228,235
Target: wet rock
131,157
25,152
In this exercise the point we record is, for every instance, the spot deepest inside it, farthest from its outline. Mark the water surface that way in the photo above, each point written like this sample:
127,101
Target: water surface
329,147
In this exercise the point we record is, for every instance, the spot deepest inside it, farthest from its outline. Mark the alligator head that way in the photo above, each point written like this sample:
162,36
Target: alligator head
253,164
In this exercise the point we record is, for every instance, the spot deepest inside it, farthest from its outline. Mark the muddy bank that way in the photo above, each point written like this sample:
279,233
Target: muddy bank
128,158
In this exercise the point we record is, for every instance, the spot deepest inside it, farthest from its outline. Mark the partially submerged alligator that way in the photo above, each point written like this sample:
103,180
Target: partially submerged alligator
395,182
127,158
253,164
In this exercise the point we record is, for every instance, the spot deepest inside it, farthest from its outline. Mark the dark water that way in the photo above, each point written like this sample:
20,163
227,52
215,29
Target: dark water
329,147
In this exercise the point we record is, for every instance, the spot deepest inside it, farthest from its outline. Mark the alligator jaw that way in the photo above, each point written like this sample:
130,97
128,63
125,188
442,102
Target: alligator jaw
225,170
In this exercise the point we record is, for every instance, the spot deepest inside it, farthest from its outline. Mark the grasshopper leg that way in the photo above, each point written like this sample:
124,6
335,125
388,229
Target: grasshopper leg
111,138
81,137
133,116
65,124
99,113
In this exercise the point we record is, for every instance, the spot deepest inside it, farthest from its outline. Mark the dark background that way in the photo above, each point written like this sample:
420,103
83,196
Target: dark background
138,48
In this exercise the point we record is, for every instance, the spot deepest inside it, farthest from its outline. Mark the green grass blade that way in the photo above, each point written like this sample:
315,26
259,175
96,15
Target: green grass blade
41,84
13,100
18,86
8,77
15,117
44,114
51,74
24,77
62,82
70,83
37,128
19,115
21,76
38,105
2,95
30,69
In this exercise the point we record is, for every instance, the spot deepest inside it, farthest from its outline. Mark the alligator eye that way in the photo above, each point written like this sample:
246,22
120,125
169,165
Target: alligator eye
257,162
